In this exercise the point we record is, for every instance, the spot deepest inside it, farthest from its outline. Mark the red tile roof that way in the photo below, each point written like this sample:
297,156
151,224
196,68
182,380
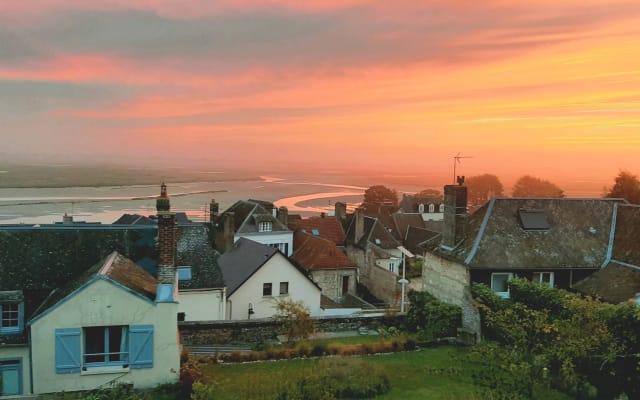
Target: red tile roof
313,252
328,228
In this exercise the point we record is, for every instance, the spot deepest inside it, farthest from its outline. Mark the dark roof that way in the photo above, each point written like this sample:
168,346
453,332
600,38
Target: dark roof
242,261
578,234
194,250
313,253
327,227
417,239
117,268
375,233
616,283
402,222
248,213
410,203
626,247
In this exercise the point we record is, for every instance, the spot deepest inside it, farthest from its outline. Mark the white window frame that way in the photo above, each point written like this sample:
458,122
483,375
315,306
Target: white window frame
265,226
506,294
541,274
124,344
432,208
10,313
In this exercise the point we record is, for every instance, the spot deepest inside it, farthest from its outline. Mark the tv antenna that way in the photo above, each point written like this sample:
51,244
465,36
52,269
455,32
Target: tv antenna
456,161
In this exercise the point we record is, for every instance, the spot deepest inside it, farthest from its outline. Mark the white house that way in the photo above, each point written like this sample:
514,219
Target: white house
105,327
256,220
258,276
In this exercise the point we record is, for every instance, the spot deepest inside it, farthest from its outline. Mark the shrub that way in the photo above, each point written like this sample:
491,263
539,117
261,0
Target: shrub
539,297
484,295
295,319
432,318
203,392
190,372
319,349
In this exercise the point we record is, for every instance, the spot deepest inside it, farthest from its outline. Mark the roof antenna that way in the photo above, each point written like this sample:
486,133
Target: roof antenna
456,161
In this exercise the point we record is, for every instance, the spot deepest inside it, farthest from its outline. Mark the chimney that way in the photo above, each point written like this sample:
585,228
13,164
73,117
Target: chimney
67,219
229,230
340,211
166,247
283,215
455,214
214,207
358,216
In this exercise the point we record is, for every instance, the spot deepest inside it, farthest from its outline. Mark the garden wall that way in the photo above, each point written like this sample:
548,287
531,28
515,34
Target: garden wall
203,333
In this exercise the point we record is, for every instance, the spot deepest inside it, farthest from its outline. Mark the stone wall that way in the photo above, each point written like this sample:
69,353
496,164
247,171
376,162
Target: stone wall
330,281
255,331
449,281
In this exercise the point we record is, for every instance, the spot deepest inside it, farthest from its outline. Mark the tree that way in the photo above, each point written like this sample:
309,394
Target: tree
482,187
379,194
429,193
626,186
529,186
295,319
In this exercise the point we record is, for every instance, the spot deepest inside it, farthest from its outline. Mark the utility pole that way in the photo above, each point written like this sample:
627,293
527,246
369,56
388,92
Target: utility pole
456,161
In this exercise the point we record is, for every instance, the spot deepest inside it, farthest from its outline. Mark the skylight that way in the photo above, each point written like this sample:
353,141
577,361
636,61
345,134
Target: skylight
533,220
315,232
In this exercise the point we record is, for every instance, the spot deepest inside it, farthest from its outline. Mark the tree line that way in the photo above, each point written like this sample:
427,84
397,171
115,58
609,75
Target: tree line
483,187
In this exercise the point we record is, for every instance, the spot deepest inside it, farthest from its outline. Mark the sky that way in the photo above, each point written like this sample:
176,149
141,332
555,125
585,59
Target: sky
545,87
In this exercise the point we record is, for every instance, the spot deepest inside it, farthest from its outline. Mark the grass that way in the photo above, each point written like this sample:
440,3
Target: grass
435,373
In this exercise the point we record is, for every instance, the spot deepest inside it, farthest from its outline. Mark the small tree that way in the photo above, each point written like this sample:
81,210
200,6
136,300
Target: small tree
483,187
529,186
379,194
295,319
626,186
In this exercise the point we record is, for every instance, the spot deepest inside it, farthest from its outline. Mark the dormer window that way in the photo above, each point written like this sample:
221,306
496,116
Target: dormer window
421,208
432,208
11,312
265,226
441,208
533,220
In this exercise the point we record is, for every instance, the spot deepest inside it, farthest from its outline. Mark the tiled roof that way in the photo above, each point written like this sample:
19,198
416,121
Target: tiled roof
616,283
410,203
313,253
328,228
377,234
194,250
578,235
117,268
626,246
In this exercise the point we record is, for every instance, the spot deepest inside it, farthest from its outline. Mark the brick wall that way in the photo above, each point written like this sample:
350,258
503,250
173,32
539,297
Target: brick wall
256,331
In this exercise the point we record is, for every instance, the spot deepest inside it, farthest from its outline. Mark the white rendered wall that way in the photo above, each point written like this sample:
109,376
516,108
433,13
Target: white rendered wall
101,304
19,352
202,305
269,238
277,269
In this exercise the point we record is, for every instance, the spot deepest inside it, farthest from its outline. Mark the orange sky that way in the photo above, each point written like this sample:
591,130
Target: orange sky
550,88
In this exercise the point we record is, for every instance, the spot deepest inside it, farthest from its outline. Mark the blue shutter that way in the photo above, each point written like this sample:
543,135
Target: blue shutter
141,346
67,351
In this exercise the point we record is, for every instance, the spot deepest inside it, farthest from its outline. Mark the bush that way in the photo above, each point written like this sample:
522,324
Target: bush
485,296
203,392
190,372
432,318
539,297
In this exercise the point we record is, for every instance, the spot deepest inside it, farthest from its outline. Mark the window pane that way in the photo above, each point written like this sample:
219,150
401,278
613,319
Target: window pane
266,289
94,341
499,282
115,339
10,315
284,287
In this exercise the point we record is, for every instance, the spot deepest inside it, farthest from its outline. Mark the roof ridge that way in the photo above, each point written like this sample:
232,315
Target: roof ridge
108,263
481,231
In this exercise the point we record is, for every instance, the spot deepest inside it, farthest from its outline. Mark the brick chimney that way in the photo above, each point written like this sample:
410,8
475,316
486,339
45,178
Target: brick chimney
340,211
455,214
283,215
166,247
214,208
229,230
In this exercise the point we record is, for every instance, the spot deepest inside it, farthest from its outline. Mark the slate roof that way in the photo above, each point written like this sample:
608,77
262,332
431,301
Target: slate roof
616,283
578,236
242,261
418,239
619,280
377,234
134,219
315,253
410,203
194,250
247,215
328,228
402,222
117,268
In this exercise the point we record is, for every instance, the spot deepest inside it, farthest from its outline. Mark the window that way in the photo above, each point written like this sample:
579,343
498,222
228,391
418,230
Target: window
421,208
391,266
266,289
500,283
432,208
533,220
79,349
184,273
441,208
315,232
10,377
10,317
284,288
106,345
543,277
265,226
283,247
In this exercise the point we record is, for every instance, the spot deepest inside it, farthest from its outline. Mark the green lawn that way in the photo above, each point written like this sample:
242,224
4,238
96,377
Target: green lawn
435,373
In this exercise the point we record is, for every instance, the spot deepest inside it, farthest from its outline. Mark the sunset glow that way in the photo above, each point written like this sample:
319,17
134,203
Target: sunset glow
550,88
